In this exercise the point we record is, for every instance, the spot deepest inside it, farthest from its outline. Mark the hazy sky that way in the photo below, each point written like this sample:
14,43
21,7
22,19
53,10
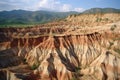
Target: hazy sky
57,5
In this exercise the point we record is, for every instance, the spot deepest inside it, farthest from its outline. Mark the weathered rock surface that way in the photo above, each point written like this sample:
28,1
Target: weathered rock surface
61,52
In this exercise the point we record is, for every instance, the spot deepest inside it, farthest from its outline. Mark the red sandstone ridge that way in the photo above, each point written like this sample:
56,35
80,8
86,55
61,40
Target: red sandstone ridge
61,51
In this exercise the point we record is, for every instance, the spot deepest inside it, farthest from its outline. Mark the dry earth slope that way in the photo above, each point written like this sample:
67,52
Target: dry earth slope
82,47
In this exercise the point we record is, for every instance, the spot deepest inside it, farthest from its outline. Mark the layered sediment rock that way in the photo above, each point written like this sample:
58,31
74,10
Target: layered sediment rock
60,53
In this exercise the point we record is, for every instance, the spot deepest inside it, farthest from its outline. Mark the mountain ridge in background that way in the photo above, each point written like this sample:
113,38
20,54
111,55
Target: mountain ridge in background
37,17
31,17
101,10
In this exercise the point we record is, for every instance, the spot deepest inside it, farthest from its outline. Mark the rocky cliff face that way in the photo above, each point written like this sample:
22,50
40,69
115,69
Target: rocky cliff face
60,52
94,19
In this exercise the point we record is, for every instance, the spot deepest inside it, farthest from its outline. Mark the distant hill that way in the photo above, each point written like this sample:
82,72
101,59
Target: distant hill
37,17
101,10
30,17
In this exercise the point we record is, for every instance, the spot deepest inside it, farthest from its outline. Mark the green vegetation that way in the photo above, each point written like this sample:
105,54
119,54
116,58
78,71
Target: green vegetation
118,38
106,19
22,17
76,73
117,50
113,27
35,66
98,19
111,43
77,69
17,25
74,78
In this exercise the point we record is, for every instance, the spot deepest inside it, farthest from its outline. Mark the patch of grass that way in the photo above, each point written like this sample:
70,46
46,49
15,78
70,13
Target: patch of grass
16,26
116,39
35,66
77,69
98,19
111,43
106,19
117,50
113,27
73,78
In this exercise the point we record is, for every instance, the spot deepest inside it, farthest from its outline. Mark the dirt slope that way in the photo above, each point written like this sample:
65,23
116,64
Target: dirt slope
61,51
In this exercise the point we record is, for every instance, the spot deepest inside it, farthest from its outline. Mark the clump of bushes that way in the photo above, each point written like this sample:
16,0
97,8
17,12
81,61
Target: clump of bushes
98,19
113,27
73,78
111,43
35,66
117,50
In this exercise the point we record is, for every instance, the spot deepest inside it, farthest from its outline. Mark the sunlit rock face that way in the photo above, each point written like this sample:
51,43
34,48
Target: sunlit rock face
60,51
94,19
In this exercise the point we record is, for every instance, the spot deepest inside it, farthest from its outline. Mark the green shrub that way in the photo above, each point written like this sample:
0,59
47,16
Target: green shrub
117,50
98,19
73,78
77,69
111,43
34,66
105,19
113,27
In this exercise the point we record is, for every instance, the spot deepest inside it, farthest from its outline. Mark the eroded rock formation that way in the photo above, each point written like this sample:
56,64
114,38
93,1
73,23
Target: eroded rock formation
60,52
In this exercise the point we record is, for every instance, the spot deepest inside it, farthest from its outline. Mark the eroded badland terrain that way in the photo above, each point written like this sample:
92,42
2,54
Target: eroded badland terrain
80,47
